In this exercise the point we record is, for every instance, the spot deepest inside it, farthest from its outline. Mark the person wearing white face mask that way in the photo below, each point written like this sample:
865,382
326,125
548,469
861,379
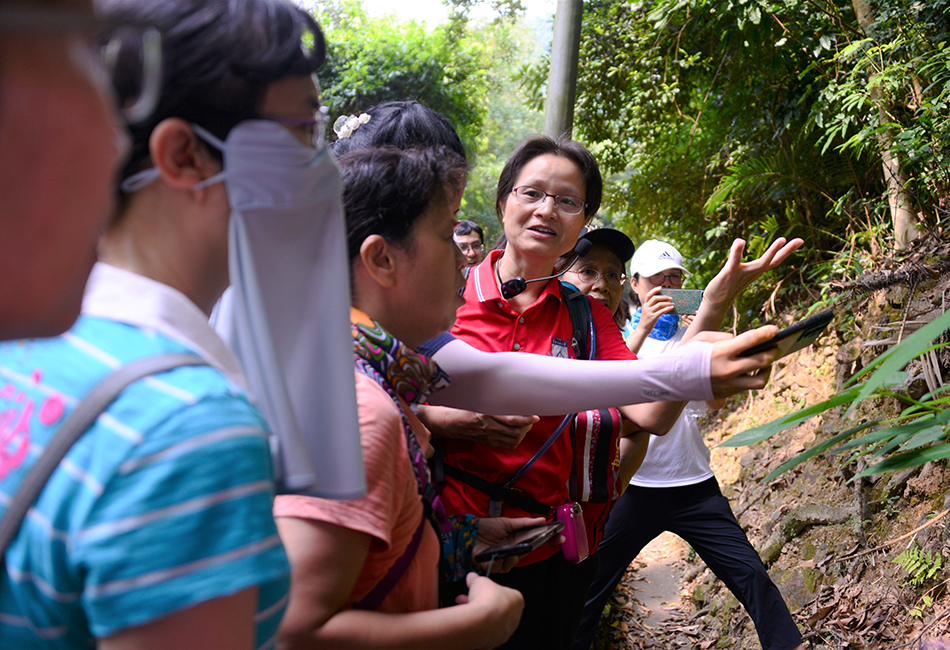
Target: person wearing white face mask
156,529
285,235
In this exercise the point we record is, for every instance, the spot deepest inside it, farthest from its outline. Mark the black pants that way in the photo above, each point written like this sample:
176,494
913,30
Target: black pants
701,516
554,591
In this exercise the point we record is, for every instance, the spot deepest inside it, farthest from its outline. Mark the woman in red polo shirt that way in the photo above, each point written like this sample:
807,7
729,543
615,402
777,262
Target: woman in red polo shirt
548,190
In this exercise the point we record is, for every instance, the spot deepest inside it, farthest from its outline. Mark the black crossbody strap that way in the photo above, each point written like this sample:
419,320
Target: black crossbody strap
584,346
578,308
92,405
499,493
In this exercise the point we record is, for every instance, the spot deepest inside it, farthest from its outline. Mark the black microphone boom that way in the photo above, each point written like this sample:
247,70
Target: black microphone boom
581,249
517,285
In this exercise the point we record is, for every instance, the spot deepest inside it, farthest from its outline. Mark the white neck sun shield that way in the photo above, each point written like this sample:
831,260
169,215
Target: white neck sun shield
286,314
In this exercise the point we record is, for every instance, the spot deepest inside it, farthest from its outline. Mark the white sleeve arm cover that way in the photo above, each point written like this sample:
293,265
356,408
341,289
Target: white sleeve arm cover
515,383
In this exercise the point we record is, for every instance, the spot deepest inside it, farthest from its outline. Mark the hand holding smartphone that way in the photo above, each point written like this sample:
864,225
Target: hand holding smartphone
522,541
795,337
685,301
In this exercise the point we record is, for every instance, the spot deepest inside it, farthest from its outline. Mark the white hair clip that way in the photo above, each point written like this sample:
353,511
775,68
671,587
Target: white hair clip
345,125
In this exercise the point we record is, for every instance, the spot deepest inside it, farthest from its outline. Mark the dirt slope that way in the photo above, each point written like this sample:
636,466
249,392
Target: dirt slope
805,524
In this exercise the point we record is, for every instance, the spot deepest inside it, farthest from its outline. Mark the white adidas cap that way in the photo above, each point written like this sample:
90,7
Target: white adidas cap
653,256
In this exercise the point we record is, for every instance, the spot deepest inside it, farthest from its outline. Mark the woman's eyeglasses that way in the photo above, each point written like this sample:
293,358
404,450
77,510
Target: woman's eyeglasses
676,280
590,276
563,203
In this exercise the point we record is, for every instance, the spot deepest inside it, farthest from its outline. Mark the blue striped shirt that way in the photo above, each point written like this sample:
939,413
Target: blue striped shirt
164,503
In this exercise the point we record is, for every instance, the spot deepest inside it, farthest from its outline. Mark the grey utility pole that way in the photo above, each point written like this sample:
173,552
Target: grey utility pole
562,80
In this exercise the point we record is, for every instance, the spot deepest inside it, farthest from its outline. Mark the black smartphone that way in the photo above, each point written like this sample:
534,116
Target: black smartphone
795,337
685,301
522,541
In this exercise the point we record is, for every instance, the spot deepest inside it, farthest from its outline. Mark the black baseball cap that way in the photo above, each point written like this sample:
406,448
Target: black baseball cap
614,240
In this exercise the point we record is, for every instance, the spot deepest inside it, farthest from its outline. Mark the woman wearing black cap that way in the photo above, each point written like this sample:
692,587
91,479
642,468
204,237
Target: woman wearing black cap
600,274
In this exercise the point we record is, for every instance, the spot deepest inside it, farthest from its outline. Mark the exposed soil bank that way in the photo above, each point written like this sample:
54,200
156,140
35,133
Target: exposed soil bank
835,568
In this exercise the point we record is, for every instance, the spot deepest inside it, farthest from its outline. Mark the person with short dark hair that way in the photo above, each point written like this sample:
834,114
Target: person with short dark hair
60,146
547,191
471,241
366,570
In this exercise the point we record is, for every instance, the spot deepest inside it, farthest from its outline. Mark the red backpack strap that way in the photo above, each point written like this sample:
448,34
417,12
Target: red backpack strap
595,472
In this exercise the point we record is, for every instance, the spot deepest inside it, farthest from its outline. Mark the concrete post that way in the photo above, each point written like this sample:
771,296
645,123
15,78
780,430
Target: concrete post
562,79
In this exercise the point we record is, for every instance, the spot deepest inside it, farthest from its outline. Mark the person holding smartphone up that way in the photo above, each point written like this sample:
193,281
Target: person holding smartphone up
674,488
656,265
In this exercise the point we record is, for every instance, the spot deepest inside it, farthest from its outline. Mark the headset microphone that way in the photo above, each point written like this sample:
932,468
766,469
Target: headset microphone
514,286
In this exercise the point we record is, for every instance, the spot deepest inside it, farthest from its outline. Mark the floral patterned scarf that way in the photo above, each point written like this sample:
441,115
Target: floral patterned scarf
409,378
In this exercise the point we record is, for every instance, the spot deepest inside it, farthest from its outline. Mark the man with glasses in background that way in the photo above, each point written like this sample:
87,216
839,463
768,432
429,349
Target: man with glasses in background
471,241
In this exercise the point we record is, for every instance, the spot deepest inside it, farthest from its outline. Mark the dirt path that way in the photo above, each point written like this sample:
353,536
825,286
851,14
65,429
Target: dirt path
658,583
647,610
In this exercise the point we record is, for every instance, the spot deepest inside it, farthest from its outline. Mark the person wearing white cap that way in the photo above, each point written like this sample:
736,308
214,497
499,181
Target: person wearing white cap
674,488
655,265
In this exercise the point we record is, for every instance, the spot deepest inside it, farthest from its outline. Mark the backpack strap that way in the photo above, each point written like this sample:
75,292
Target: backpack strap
374,598
78,422
583,340
499,493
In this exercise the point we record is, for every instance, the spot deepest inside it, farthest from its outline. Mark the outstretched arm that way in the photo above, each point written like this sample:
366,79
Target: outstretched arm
511,383
733,279
730,375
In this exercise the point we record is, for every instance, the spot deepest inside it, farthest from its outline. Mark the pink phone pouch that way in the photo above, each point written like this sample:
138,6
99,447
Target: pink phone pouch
574,548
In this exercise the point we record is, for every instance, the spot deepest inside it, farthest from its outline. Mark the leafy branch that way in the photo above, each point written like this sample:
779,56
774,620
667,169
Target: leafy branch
917,436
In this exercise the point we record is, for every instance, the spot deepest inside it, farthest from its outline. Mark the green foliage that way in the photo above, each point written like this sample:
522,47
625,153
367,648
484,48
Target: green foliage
715,119
372,60
927,602
695,111
918,435
921,566
889,88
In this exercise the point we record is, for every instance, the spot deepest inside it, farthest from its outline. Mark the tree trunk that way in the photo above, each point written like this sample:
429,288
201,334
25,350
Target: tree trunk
902,214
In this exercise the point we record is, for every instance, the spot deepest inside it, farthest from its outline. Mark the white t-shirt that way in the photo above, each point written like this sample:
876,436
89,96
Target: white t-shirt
681,456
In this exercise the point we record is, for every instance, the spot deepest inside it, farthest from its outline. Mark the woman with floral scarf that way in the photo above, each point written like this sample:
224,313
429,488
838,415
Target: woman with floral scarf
365,571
